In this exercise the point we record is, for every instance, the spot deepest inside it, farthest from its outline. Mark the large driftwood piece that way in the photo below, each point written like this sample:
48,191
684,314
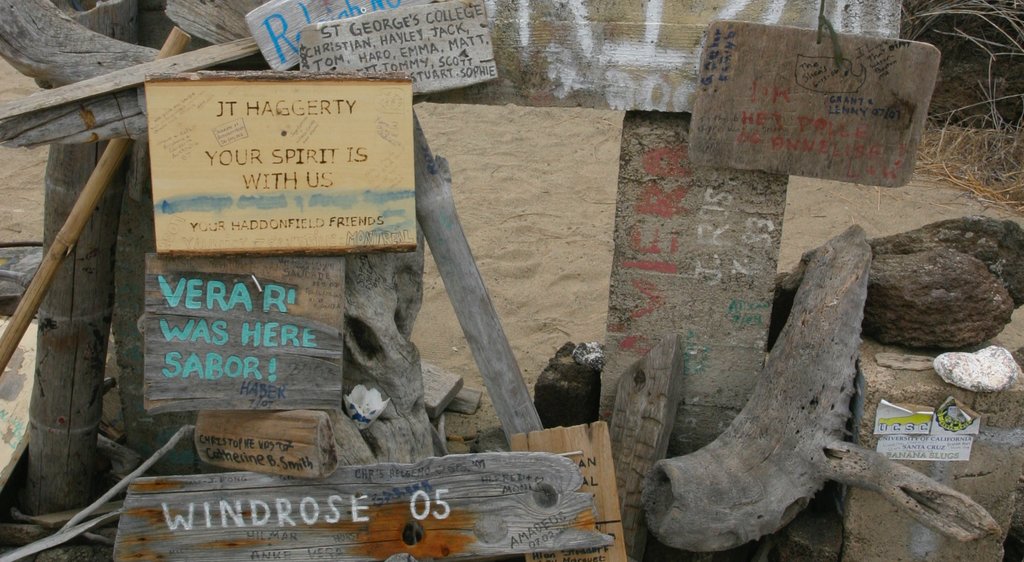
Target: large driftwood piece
74,318
111,116
40,41
435,211
216,22
787,441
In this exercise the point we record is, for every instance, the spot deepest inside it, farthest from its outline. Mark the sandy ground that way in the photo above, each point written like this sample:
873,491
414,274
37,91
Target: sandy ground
535,191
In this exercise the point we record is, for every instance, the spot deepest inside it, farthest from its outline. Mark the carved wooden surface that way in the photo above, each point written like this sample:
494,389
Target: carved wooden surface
255,333
645,410
449,507
589,446
441,46
613,53
297,443
773,98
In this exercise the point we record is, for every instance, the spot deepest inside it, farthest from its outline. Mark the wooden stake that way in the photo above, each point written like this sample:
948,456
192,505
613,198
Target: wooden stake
94,189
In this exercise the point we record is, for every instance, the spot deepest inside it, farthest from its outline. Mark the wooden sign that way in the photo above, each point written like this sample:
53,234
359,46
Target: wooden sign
276,25
281,163
771,98
593,456
487,504
298,443
441,46
243,334
15,396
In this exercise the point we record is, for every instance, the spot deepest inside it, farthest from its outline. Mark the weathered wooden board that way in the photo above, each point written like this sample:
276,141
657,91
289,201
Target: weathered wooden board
441,46
646,398
243,334
449,507
17,266
281,163
593,455
467,401
15,395
297,443
276,25
615,54
439,388
772,98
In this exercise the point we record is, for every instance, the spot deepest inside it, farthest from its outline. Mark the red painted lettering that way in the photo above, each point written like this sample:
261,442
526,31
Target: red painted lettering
667,162
654,200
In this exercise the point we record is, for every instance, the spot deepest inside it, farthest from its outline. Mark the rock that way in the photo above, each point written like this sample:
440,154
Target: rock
490,440
937,298
567,393
590,354
997,244
814,536
80,553
1019,357
990,370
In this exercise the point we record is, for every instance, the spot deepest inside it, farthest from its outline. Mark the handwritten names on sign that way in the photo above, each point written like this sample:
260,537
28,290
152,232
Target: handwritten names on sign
441,46
243,334
276,25
454,506
771,98
281,163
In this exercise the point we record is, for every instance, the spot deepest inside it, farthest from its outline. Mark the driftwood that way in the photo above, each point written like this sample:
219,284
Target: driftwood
40,41
216,22
646,400
787,441
435,211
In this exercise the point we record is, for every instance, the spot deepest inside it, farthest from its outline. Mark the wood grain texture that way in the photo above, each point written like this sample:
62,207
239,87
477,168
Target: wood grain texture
590,447
42,42
264,366
441,46
435,211
217,22
17,265
128,77
773,98
607,54
277,25
479,505
279,163
295,443
467,401
439,388
645,410
102,118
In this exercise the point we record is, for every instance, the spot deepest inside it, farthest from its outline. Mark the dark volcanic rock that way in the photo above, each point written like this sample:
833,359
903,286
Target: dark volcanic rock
938,298
999,244
566,392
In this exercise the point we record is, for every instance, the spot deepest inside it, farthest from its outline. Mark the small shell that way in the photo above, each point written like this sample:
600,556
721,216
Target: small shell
363,405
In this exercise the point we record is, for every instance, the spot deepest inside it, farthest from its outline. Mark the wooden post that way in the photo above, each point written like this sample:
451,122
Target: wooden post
645,410
75,318
435,211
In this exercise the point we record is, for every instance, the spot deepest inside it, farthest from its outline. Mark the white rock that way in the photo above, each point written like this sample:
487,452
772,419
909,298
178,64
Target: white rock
989,370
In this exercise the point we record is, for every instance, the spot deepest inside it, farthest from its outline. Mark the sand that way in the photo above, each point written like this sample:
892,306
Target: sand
535,192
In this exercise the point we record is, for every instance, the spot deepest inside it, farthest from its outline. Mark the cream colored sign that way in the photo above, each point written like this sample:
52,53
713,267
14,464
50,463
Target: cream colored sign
267,163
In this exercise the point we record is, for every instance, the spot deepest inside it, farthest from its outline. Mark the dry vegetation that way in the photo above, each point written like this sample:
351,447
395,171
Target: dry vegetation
975,137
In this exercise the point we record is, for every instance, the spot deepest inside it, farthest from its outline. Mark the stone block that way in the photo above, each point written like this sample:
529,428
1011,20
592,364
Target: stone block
567,393
874,529
814,536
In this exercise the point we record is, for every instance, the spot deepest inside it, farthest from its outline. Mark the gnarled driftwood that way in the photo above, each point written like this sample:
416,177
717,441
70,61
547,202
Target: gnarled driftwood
787,441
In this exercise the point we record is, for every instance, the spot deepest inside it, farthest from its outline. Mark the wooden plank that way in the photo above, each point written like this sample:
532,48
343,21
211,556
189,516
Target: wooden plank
449,507
467,401
593,455
905,361
606,54
243,334
773,98
97,119
58,519
440,46
276,25
128,77
439,388
281,163
646,398
15,394
435,211
216,22
296,443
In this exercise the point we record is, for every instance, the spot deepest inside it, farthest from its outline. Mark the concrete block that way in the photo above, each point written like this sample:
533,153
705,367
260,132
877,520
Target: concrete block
696,251
874,529
814,536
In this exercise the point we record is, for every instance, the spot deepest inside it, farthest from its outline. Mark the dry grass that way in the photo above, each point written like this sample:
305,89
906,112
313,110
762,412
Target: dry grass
978,142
